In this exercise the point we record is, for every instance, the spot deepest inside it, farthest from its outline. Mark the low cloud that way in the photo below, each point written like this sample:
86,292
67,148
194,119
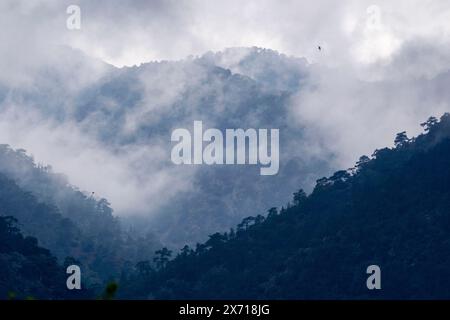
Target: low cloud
381,69
134,178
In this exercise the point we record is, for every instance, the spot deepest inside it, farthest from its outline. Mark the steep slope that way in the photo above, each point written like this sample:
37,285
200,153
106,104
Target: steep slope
144,105
392,210
28,270
54,231
123,119
65,220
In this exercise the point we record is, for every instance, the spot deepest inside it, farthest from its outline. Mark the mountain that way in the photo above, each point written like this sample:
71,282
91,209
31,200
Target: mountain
65,220
144,105
237,88
391,210
109,130
272,70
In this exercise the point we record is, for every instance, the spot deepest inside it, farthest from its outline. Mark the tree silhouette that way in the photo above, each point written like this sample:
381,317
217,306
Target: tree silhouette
162,257
272,212
321,249
362,161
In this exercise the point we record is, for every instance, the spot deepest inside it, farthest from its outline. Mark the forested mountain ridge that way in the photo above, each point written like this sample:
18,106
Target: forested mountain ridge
117,129
391,210
28,270
108,129
65,220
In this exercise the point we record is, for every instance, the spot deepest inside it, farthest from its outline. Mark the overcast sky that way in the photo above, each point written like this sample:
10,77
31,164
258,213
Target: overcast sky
131,32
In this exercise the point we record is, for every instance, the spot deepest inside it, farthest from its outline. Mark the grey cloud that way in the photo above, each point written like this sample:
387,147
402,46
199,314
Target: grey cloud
83,116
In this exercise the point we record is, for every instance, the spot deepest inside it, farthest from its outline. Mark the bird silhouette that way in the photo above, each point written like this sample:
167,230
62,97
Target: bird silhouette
319,47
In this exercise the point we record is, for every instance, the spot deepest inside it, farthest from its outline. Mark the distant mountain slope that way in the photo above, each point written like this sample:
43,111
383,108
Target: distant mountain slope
392,210
124,119
93,216
65,220
239,88
272,70
41,220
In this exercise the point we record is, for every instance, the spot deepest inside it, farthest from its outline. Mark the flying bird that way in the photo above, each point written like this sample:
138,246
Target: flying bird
319,47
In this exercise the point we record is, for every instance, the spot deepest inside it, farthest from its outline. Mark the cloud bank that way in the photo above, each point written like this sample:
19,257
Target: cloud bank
383,68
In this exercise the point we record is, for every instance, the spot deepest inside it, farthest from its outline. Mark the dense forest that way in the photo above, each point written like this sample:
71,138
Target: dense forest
392,210
29,271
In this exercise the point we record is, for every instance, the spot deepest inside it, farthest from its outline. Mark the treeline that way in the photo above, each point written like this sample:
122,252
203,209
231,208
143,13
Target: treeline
392,210
75,226
29,271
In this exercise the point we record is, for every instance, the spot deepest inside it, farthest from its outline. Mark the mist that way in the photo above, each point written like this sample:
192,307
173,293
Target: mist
99,103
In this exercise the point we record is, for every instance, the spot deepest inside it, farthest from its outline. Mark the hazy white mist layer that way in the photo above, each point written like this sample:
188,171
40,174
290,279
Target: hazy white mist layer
383,68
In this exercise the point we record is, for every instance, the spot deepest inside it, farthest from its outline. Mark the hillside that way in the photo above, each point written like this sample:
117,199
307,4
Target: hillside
28,270
112,137
65,220
392,210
